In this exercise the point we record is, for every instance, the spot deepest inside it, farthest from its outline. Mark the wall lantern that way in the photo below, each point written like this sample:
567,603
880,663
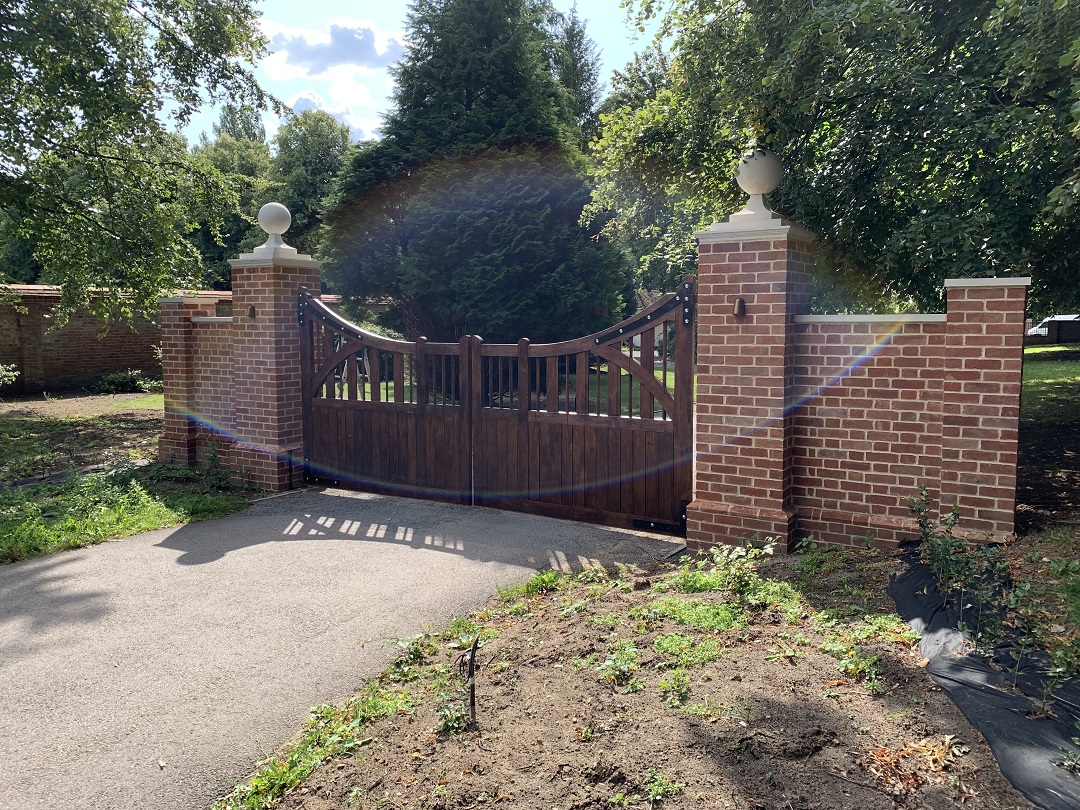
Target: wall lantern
739,308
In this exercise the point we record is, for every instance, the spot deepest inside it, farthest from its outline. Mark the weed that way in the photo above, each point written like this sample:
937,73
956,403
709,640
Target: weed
715,616
708,709
659,787
678,651
453,714
619,666
612,620
676,686
214,473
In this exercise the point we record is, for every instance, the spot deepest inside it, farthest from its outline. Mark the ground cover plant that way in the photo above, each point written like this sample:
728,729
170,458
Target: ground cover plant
732,680
79,471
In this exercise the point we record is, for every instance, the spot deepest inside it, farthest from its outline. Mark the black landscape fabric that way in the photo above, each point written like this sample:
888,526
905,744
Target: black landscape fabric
1029,746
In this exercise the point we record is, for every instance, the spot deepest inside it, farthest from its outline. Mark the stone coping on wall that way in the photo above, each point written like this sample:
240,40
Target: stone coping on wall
211,319
893,319
1012,281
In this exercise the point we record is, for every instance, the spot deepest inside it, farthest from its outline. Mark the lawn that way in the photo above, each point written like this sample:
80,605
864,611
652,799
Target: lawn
79,471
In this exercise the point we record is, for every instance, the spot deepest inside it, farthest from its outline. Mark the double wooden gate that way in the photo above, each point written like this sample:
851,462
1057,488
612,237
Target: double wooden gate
598,429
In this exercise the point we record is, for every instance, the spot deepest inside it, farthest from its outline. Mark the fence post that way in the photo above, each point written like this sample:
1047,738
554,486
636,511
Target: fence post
753,278
267,386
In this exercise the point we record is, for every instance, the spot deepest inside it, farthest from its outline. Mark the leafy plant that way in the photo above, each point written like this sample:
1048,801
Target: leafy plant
659,787
619,666
679,651
676,686
132,381
8,374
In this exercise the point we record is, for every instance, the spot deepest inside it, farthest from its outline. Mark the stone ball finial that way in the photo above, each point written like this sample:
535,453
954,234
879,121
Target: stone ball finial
274,218
760,172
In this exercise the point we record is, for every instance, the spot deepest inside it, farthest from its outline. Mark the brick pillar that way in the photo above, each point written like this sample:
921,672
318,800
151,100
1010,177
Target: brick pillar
743,469
984,356
177,442
266,365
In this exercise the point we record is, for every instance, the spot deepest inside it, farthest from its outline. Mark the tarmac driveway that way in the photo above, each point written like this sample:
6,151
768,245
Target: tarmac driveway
156,671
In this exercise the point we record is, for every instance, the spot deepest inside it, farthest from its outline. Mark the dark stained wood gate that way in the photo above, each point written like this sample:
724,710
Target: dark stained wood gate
597,429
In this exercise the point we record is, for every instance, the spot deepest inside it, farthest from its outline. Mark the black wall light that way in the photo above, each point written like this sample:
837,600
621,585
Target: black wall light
739,309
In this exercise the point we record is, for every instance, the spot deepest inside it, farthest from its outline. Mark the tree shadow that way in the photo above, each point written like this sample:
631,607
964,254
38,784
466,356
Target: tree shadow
37,596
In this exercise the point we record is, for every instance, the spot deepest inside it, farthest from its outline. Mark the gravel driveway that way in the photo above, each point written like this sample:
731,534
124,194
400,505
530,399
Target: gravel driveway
156,671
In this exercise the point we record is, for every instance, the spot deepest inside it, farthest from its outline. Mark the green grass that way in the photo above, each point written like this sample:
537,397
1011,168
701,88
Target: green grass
33,445
93,508
1051,384
149,402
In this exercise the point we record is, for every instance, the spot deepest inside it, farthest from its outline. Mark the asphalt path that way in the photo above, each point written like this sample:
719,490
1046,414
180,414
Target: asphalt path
155,672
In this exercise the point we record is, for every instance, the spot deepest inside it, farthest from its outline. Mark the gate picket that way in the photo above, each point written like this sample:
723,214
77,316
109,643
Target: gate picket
598,428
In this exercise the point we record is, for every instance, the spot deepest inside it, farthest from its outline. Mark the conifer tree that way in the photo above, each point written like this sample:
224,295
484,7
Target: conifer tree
467,212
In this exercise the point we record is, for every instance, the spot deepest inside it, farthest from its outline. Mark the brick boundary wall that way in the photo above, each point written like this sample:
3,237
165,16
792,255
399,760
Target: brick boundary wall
829,425
232,383
74,355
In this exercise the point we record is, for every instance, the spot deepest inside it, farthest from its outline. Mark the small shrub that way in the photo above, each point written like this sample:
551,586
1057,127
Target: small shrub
619,666
131,381
8,374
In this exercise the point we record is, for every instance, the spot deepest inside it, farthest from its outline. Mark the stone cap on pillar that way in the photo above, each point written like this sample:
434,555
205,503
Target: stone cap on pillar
760,172
274,219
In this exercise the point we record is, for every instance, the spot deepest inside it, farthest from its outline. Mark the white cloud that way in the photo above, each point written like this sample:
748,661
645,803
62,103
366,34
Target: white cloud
344,41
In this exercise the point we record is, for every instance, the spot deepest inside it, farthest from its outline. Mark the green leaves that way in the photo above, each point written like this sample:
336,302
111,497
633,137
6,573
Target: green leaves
922,141
88,174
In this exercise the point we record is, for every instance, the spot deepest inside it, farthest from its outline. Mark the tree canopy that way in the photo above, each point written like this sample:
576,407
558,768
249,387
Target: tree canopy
466,214
89,175
922,139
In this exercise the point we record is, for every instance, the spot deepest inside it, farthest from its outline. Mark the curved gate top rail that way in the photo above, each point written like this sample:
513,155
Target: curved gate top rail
598,428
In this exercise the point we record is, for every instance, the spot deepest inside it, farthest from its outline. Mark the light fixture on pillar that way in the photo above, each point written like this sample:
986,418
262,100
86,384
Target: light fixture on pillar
738,309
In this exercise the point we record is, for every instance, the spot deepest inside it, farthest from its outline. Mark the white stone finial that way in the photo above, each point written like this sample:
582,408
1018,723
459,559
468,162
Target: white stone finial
760,172
275,219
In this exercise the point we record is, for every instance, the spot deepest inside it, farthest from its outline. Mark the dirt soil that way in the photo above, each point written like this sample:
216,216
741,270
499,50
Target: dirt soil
43,436
771,724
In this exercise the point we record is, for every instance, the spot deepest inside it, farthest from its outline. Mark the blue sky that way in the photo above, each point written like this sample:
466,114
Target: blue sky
334,55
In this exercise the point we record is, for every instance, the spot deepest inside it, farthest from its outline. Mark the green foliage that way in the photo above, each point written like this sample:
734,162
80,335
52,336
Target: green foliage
8,374
712,616
131,381
310,150
659,787
679,651
922,140
93,508
331,731
467,213
619,666
89,175
676,686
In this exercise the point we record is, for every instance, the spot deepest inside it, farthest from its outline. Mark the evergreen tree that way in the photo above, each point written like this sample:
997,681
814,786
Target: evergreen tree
577,66
467,212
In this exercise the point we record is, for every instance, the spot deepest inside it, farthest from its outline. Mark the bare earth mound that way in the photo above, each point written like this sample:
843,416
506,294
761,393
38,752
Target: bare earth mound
630,691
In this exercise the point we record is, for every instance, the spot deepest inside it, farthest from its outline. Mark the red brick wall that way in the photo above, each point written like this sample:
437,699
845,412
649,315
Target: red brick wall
236,380
830,425
75,354
866,423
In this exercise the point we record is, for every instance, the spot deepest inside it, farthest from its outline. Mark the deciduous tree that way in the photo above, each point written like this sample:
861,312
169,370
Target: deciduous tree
922,140
88,173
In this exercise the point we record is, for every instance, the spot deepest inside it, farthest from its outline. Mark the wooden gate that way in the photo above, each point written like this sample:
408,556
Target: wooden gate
598,429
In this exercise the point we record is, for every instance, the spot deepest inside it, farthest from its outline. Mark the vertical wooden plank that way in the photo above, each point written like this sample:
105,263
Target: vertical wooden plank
654,506
626,471
552,384
399,377
615,469
614,383
640,465
581,393
567,469
523,376
581,461
648,342
534,460
591,469
670,506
